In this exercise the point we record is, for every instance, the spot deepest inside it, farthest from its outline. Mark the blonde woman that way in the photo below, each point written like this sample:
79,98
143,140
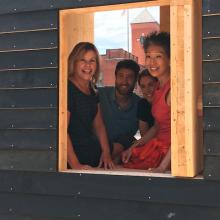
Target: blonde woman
87,140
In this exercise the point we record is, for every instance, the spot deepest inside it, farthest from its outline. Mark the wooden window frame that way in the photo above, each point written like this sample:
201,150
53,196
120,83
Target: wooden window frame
186,78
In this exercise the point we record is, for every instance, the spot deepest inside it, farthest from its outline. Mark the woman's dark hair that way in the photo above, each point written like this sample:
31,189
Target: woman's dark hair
128,64
145,73
160,39
78,51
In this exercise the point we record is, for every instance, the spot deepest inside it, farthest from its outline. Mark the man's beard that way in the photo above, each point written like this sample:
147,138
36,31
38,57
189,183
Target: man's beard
124,92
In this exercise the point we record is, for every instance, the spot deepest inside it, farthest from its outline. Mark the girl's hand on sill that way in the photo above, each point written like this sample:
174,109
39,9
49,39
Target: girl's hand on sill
126,155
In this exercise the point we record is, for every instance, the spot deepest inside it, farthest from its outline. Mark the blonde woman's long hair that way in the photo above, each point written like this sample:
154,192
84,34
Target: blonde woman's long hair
78,51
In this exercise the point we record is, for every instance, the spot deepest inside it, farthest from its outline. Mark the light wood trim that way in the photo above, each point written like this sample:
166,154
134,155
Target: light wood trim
185,79
62,97
177,96
197,25
73,29
126,172
165,18
181,2
186,88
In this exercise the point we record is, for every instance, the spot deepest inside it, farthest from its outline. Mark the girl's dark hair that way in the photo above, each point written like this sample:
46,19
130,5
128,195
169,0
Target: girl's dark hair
160,39
78,51
145,73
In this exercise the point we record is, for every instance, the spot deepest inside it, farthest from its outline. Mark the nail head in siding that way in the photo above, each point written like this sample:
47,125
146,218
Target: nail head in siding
171,215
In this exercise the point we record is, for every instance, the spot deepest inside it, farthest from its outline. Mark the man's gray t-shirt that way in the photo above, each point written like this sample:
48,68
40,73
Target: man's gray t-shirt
118,122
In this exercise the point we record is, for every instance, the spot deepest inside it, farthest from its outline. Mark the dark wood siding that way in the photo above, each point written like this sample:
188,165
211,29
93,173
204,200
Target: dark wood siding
28,90
211,87
11,6
65,196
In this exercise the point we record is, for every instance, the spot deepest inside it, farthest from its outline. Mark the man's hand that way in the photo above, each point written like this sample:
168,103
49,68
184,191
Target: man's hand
106,161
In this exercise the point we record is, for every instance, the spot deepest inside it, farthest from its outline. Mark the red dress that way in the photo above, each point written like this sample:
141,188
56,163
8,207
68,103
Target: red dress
151,154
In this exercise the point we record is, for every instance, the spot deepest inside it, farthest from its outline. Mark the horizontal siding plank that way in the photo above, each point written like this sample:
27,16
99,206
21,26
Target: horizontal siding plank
211,26
87,186
28,118
28,160
212,167
28,98
30,78
212,119
211,49
12,216
28,40
212,142
211,95
28,139
8,6
26,21
211,72
211,6
28,59
73,208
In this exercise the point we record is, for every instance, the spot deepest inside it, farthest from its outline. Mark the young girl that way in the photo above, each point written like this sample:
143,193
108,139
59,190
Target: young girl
152,151
87,140
147,84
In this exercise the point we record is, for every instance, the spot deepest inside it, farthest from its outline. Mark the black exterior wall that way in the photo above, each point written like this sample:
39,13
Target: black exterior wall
34,196
29,91
30,187
211,87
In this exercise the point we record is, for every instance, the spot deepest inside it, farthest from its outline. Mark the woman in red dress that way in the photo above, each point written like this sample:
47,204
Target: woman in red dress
152,151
